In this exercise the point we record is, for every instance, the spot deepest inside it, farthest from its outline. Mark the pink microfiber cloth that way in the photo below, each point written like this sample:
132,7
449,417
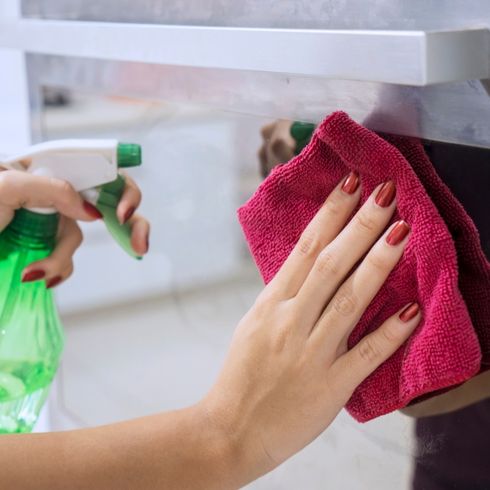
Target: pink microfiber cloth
445,349
473,266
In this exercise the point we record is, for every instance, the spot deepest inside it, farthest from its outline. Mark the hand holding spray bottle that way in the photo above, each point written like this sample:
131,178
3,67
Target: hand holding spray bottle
31,335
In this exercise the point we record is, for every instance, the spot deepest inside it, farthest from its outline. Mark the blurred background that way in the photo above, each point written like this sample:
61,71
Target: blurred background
142,337
147,336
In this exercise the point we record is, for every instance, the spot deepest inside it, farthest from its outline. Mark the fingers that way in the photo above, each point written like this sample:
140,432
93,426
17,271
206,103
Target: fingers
336,260
322,229
264,167
130,200
280,151
356,365
59,265
353,297
20,189
267,130
278,146
140,234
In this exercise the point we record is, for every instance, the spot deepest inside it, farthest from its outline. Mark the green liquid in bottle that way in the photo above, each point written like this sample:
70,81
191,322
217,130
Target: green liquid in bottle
31,337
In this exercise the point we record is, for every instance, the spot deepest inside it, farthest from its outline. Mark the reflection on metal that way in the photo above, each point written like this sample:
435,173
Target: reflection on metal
456,112
402,57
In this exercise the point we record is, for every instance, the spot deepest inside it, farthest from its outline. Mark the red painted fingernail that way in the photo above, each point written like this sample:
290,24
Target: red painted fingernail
129,213
53,282
409,312
92,210
386,194
351,183
34,275
397,233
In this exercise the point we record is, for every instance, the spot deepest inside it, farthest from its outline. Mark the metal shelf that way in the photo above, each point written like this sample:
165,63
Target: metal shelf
416,58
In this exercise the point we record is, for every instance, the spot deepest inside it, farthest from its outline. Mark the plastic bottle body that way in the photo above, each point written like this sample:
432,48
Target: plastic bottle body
31,336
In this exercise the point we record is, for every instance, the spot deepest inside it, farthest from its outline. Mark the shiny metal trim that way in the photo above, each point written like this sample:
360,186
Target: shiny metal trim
451,112
400,57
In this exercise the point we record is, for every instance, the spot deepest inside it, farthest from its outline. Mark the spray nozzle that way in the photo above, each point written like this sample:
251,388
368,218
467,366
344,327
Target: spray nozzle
128,155
91,166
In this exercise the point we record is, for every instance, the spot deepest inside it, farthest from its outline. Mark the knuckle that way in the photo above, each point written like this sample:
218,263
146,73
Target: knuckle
344,303
138,195
265,306
309,244
267,296
327,263
261,306
365,222
64,191
266,130
55,263
333,207
279,321
389,334
369,351
376,261
78,237
6,182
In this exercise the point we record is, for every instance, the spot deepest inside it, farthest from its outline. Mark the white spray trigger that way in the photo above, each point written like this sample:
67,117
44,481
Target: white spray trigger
82,170
91,167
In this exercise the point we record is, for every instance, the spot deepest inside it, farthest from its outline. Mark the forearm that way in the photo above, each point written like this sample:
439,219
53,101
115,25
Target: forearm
177,449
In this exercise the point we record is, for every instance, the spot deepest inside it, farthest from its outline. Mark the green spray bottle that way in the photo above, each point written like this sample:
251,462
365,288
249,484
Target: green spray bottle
31,335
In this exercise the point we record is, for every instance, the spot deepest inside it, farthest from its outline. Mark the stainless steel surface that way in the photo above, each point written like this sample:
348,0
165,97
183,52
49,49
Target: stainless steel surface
453,112
456,112
402,57
308,14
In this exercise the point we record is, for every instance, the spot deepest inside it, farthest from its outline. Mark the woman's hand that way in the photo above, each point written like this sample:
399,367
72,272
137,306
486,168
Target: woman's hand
287,375
289,371
20,189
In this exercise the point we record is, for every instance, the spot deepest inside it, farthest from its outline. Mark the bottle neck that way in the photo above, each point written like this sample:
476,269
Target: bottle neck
32,230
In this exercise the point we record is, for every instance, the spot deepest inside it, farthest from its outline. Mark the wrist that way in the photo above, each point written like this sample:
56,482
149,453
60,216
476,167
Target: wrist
220,449
229,439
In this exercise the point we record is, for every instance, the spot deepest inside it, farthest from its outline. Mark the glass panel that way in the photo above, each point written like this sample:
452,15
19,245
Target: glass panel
148,336
187,151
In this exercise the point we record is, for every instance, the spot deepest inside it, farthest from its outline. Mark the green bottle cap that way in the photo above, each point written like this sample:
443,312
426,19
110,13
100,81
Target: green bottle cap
128,155
34,230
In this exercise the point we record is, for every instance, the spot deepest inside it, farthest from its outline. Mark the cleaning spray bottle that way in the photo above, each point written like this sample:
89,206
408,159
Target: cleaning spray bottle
31,335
